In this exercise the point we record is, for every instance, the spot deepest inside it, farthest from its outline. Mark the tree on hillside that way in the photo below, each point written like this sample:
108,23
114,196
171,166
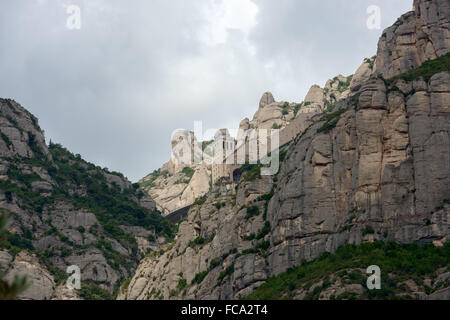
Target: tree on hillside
9,291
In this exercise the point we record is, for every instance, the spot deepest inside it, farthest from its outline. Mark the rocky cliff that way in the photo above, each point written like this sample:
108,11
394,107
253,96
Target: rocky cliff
374,165
65,211
176,185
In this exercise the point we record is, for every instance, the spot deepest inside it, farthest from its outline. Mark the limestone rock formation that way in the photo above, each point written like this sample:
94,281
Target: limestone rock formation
41,281
172,189
180,189
417,36
374,166
368,173
362,74
266,99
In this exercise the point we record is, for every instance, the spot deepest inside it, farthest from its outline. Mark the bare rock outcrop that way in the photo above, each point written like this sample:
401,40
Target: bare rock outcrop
266,99
375,166
41,283
370,172
417,36
362,74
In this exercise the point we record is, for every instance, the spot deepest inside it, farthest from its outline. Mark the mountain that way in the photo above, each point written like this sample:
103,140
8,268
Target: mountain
66,211
365,179
176,185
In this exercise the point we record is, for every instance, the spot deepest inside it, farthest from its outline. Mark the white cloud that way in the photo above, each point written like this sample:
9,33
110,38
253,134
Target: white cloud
223,15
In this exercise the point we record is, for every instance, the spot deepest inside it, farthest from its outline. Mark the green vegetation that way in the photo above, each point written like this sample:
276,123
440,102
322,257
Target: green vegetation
153,176
277,126
200,201
197,242
344,86
401,262
215,263
331,120
368,230
112,205
264,231
371,61
252,212
205,144
249,237
91,290
189,172
296,110
219,205
426,70
266,198
182,283
259,248
6,139
201,275
251,172
227,272
285,108
9,291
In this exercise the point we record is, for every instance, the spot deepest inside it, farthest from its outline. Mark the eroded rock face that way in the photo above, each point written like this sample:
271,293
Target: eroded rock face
174,191
171,189
21,134
417,36
41,281
377,168
371,170
362,74
266,99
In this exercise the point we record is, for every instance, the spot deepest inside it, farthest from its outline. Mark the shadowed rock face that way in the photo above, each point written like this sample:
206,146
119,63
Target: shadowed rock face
378,167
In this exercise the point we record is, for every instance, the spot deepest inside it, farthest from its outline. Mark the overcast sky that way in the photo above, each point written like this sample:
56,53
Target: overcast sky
114,90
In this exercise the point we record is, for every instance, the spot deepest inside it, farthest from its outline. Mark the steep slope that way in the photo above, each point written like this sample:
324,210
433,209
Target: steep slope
374,166
65,211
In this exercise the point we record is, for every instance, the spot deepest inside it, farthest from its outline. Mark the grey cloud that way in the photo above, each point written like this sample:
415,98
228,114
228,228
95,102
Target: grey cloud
137,70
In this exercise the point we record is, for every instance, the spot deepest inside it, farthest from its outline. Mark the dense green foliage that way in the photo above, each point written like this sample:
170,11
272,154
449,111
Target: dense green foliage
251,172
189,172
111,205
397,262
227,272
92,291
252,211
200,276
